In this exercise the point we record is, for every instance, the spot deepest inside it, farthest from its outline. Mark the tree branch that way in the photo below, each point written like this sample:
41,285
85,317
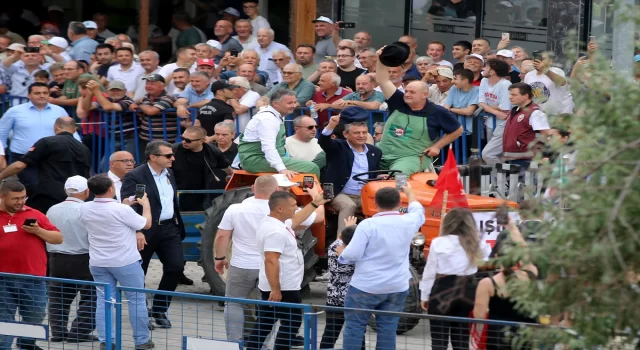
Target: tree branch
615,212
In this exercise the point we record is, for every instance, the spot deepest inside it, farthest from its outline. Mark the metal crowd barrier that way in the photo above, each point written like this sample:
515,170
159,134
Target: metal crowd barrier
42,308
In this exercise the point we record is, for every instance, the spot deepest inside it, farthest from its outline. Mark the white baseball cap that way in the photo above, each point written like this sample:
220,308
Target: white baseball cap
75,184
241,82
323,19
505,53
57,41
283,181
214,43
90,24
15,46
474,55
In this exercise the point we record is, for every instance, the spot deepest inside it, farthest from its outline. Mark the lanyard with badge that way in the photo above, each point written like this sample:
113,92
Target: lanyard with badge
299,256
9,227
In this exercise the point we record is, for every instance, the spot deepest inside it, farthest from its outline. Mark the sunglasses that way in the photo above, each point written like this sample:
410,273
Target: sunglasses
189,140
310,127
168,155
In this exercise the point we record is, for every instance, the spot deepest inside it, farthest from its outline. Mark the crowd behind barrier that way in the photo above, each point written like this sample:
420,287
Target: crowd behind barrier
198,321
108,135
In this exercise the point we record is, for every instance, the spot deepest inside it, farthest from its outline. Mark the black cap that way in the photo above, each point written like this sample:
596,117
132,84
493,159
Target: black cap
395,54
353,114
154,77
222,84
51,31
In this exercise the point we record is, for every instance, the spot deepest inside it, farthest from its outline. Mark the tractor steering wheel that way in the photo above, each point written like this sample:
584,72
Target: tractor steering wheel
390,175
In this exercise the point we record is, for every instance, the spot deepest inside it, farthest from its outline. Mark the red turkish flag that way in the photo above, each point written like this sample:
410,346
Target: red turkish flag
449,183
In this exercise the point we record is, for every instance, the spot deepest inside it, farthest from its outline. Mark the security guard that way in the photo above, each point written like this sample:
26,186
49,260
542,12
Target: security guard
262,144
56,158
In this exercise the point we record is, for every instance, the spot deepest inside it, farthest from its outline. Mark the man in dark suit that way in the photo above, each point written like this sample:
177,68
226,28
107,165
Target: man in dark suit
165,236
346,158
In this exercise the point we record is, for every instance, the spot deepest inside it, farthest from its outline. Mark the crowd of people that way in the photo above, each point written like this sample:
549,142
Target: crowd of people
243,84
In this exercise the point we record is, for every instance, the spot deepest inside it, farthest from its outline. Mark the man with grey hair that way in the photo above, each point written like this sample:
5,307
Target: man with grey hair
204,50
245,33
113,41
194,95
248,71
120,163
368,59
378,127
281,58
303,144
265,47
225,132
223,30
81,45
293,80
149,61
262,146
365,96
166,233
328,92
243,103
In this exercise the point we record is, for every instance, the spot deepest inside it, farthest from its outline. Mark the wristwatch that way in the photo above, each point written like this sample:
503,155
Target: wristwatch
220,258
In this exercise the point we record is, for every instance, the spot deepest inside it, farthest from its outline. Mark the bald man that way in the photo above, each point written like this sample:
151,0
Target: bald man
120,163
56,159
411,135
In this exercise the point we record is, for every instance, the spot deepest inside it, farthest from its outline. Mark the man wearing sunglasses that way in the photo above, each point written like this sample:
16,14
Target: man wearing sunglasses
165,236
303,144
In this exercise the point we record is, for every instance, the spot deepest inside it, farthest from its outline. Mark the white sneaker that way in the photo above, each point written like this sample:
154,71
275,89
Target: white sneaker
324,277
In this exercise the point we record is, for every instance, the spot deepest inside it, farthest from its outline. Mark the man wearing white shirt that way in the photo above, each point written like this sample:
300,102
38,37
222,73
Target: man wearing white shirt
303,144
114,257
127,71
379,249
71,260
252,10
186,59
240,224
120,163
435,50
265,47
549,86
281,268
245,33
244,102
262,145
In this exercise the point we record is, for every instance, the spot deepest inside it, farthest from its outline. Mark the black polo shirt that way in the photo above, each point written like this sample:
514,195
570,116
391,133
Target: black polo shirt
57,158
102,71
213,113
231,153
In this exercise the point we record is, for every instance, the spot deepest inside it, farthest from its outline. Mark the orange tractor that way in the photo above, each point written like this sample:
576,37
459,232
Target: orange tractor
318,237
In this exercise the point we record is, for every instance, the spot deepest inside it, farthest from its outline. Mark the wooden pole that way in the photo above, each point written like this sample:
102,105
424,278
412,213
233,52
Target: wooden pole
302,30
143,30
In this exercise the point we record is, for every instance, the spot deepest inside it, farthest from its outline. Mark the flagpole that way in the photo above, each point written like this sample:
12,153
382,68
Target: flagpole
444,204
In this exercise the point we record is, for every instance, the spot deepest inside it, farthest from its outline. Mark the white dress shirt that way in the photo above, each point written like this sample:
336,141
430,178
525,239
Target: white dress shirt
243,219
380,250
264,128
66,217
277,236
266,59
112,230
165,190
249,99
117,182
447,257
128,77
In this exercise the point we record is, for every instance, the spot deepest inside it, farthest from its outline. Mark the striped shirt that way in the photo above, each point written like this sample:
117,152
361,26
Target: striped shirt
158,125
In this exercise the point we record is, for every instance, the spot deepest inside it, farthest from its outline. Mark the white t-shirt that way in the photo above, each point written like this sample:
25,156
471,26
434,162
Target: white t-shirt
302,150
168,69
538,121
128,77
496,95
249,100
551,98
277,236
243,219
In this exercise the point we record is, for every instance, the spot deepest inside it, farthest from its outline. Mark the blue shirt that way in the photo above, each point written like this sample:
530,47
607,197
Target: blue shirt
21,79
413,72
376,96
82,49
165,190
192,96
360,165
460,99
29,125
380,250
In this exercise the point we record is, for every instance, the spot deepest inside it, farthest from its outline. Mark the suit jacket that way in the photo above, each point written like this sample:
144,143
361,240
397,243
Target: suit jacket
142,175
340,161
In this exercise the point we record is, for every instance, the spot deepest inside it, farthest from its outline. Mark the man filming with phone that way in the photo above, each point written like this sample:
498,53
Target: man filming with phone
346,158
549,85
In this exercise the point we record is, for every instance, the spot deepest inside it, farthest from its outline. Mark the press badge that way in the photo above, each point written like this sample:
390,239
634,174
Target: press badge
10,228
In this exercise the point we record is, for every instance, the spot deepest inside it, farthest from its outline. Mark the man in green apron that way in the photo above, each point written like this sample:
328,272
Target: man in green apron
411,135
261,148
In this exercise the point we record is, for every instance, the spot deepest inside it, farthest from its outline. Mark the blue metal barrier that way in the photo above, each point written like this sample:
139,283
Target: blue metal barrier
191,220
33,293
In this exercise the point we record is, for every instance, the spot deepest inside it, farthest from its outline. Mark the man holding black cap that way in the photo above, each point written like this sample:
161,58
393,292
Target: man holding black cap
346,158
218,110
412,131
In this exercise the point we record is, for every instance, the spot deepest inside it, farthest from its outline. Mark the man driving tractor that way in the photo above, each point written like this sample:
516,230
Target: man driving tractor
412,131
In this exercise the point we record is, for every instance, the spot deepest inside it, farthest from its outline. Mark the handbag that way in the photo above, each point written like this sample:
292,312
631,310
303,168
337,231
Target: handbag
478,334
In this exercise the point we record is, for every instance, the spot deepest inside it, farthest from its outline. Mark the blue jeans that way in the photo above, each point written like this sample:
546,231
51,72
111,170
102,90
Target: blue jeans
356,321
129,276
29,298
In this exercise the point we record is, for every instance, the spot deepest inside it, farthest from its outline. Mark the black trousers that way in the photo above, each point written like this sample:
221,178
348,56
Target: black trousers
61,296
167,244
267,316
451,296
332,329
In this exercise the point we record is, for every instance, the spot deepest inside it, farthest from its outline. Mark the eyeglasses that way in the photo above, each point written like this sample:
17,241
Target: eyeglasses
168,155
126,161
344,56
189,140
290,73
248,7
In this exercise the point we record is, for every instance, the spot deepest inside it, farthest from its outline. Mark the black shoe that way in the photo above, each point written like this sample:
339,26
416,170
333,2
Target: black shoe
184,280
57,338
103,346
82,338
29,347
150,325
297,342
161,320
145,346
